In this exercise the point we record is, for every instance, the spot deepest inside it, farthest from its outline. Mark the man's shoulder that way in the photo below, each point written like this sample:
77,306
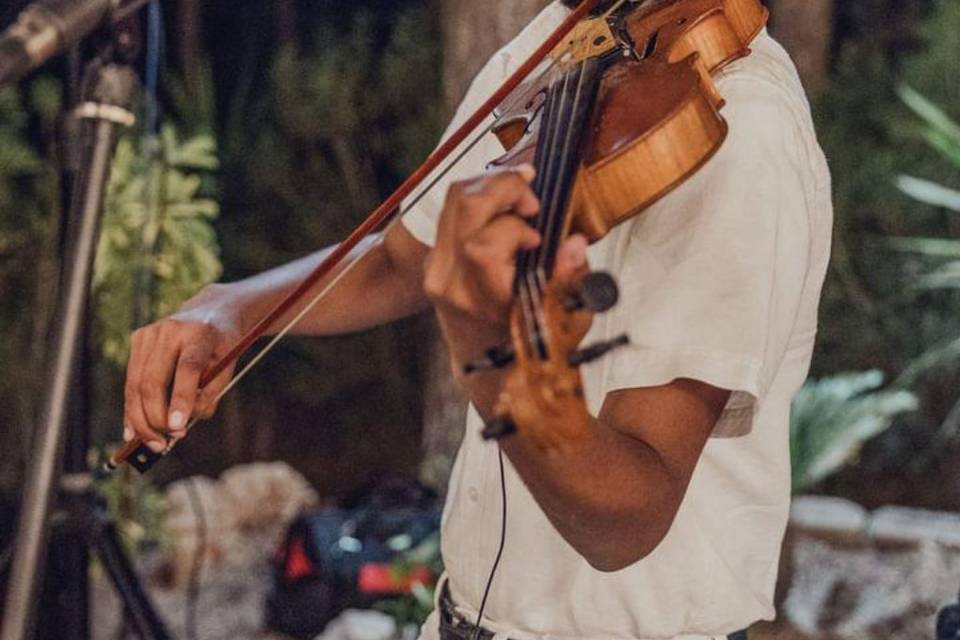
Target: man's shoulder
767,75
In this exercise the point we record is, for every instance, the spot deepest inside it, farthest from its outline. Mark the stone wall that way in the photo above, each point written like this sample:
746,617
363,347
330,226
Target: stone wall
859,575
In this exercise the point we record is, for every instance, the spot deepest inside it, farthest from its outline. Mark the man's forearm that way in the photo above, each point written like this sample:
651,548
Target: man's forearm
598,495
379,288
606,497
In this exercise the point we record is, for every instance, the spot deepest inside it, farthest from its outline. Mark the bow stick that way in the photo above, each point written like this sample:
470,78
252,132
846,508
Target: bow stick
379,217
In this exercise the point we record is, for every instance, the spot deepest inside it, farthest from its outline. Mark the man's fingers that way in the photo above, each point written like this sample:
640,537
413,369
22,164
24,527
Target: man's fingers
131,389
571,259
141,345
493,253
193,361
477,202
135,420
155,378
207,401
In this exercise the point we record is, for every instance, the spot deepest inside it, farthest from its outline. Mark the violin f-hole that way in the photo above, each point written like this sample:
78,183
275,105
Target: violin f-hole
651,47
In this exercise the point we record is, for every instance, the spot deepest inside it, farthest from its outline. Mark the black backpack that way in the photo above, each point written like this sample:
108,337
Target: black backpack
339,558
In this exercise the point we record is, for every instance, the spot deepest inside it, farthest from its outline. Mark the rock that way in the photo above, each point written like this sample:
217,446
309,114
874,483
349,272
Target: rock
866,593
262,495
899,526
355,624
187,531
243,515
831,519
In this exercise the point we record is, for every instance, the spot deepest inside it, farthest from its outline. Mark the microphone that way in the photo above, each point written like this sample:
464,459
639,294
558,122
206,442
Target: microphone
48,27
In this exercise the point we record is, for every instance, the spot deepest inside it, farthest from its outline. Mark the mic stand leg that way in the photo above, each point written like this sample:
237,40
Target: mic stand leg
109,94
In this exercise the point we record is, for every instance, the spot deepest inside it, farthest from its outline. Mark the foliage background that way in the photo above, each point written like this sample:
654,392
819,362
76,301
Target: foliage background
318,108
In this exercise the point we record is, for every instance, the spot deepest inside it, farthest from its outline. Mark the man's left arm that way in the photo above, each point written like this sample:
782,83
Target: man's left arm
613,497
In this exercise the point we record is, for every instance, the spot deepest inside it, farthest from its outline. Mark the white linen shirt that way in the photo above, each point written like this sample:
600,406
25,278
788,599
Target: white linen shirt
720,282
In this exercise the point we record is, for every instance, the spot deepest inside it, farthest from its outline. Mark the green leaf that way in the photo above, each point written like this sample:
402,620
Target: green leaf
158,247
833,418
929,192
946,276
934,247
935,117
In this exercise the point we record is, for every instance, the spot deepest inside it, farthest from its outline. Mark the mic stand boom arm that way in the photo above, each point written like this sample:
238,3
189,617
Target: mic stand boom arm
48,27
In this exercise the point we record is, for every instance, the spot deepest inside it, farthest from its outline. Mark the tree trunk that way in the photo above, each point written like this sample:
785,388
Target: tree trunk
472,32
190,22
805,28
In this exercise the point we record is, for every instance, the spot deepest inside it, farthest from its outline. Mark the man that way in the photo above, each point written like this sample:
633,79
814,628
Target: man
666,522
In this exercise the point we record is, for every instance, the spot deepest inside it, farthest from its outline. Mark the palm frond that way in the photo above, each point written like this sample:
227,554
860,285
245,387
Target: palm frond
930,193
833,418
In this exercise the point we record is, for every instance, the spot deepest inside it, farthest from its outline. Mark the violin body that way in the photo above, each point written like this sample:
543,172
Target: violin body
655,120
657,117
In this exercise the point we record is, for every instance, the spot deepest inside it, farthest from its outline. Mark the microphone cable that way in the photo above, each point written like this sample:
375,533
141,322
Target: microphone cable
503,539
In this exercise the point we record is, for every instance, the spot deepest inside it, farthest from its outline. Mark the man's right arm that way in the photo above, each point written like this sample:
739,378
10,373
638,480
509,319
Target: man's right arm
173,353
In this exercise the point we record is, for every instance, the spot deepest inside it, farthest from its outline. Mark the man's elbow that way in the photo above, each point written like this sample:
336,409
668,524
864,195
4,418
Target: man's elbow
611,561
614,553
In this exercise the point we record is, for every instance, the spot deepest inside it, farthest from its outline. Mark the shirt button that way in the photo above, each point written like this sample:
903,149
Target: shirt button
474,494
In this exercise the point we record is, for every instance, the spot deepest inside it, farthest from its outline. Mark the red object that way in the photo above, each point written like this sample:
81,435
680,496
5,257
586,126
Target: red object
297,564
381,578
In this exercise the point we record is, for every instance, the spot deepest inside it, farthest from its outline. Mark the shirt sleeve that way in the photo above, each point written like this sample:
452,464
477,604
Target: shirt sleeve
712,275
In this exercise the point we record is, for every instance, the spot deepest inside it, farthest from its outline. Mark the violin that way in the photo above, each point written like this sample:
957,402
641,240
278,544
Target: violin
615,109
628,113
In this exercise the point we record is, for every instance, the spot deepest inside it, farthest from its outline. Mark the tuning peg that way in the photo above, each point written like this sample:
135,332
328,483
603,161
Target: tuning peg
598,292
498,429
598,350
495,358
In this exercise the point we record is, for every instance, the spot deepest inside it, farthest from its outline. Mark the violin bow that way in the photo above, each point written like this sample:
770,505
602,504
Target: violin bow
385,213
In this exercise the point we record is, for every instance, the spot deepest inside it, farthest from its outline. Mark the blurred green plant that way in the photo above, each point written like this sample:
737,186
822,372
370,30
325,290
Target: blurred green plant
413,609
870,137
833,418
881,159
137,505
158,246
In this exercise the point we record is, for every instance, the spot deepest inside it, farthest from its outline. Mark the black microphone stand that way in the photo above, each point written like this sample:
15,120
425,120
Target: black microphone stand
70,500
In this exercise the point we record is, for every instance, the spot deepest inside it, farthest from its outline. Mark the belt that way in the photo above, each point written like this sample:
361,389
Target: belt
453,626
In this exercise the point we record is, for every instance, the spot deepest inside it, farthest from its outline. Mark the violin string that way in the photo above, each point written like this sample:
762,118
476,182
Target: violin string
526,257
551,179
552,125
554,181
556,208
580,110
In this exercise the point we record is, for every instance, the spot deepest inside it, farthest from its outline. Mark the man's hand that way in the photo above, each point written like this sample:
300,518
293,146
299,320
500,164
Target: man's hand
167,360
482,227
469,274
